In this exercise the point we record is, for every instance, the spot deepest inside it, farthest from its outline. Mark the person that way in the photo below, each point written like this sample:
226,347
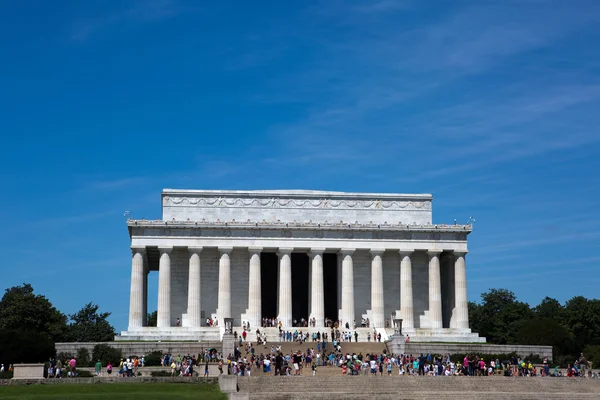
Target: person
422,359
98,368
582,365
58,368
2,368
206,369
314,369
109,368
72,367
221,367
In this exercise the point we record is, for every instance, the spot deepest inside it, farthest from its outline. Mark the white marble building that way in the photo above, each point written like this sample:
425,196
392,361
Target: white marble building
292,254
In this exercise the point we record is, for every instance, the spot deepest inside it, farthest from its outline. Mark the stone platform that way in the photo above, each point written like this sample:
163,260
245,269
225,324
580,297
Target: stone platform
214,334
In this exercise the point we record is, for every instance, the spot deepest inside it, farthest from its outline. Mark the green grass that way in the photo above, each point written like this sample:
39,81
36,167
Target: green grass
121,391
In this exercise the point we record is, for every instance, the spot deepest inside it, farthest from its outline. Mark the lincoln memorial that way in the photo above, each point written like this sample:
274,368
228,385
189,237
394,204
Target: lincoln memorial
298,255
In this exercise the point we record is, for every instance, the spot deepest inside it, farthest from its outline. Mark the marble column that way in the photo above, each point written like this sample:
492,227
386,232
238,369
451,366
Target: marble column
224,296
145,295
285,287
136,291
435,290
193,305
377,305
406,290
460,315
317,291
254,313
347,288
164,288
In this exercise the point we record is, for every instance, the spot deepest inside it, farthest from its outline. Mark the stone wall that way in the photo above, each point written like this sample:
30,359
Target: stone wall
141,348
95,380
448,348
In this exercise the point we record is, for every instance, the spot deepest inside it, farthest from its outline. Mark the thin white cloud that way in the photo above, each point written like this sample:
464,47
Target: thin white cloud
139,12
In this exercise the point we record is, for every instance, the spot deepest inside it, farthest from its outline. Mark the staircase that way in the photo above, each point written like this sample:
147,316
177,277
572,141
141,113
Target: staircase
408,387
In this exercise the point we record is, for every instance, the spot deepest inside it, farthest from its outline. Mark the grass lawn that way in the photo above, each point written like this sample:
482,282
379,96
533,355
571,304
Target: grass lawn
121,391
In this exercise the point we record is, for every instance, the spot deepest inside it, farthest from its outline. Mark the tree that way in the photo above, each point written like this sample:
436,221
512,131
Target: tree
549,308
582,317
21,309
87,325
152,318
499,317
25,346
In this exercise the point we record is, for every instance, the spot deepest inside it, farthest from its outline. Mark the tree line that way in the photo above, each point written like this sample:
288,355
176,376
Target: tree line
30,325
570,328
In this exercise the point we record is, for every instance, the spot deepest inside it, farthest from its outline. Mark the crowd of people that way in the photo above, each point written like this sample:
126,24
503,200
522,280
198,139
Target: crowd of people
277,363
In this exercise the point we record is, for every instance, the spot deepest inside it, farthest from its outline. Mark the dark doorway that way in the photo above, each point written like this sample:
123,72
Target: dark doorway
299,286
330,283
269,271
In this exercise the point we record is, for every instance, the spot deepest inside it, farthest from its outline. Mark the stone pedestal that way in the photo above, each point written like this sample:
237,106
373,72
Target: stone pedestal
397,344
28,371
228,344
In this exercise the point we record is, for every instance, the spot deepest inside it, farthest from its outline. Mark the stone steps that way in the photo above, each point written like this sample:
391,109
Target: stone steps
418,396
388,387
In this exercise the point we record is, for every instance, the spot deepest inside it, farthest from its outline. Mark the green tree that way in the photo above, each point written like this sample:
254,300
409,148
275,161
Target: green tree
499,317
21,309
25,346
152,318
582,317
549,308
546,332
87,325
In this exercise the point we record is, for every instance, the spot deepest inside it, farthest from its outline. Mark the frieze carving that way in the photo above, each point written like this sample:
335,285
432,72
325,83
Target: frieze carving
298,203
255,233
460,236
349,235
287,233
319,234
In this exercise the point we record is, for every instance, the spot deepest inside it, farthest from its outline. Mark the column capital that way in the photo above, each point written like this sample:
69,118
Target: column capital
194,250
284,250
460,253
376,252
316,251
138,250
165,249
434,252
406,253
255,250
225,250
347,252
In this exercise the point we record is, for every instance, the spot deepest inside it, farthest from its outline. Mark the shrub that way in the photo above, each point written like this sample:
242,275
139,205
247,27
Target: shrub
106,353
83,357
6,375
153,359
160,373
81,373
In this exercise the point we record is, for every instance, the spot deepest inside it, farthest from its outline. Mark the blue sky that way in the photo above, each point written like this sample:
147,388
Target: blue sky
492,106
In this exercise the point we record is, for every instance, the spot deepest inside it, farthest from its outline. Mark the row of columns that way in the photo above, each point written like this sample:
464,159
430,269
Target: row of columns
138,291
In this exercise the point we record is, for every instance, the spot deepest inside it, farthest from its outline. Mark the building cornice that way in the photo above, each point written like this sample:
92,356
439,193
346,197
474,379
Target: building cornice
297,225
